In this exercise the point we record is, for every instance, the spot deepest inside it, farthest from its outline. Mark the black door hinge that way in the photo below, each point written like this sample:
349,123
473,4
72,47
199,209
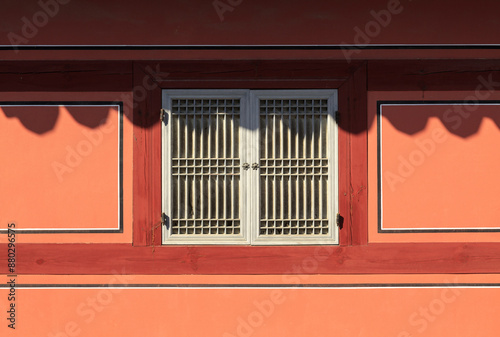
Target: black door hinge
164,116
164,220
339,220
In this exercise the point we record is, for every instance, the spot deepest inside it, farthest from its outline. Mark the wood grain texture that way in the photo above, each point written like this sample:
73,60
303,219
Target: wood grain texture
72,259
344,162
147,160
65,76
429,75
353,155
263,74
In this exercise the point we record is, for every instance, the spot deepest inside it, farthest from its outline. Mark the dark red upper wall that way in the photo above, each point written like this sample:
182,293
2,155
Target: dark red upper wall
251,22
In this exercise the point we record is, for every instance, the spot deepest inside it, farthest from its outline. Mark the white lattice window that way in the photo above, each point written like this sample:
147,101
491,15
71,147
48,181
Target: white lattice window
250,167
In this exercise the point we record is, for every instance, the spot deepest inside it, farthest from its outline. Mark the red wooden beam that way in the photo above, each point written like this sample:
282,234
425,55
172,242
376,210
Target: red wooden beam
263,74
404,258
65,76
428,75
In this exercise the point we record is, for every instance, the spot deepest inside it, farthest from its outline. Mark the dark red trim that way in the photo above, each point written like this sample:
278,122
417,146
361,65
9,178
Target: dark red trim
429,75
353,155
90,259
243,55
269,74
344,159
147,159
65,76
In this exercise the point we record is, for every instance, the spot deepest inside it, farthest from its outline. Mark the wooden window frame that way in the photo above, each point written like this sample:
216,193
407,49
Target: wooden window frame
350,81
147,131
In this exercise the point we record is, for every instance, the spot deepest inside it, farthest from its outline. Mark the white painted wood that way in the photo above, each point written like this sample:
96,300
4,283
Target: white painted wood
204,168
279,226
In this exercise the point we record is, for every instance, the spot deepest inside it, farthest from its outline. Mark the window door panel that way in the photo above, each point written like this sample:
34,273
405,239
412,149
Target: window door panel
295,185
245,166
205,175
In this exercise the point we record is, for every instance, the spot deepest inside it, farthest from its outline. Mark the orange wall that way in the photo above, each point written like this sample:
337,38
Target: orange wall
384,305
61,168
439,168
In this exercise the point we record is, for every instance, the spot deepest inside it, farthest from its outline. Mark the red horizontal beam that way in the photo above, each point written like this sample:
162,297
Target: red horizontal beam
261,74
66,76
370,259
429,75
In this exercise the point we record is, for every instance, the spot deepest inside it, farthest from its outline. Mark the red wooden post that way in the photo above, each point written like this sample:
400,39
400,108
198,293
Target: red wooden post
147,159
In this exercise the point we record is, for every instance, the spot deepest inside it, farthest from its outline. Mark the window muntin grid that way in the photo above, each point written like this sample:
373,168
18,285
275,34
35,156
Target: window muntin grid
205,167
293,167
